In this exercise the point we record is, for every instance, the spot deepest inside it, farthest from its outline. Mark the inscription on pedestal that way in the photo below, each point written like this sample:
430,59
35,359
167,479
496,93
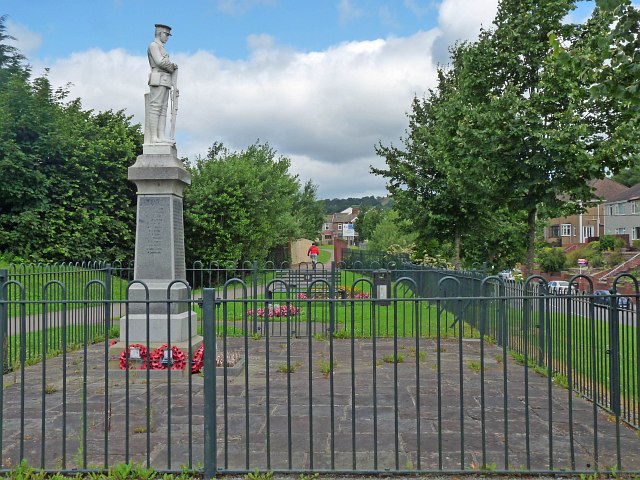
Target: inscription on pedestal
154,242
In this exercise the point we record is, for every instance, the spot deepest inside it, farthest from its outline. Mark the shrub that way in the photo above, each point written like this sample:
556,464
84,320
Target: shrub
607,243
636,244
596,260
551,259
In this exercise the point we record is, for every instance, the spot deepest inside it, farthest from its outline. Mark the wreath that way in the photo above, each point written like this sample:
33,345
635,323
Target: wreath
125,357
178,358
198,360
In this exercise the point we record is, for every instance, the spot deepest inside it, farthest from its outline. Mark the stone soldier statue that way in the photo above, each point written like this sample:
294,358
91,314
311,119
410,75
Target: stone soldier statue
161,80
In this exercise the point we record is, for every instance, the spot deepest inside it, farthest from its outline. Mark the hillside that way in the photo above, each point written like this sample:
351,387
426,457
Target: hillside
338,204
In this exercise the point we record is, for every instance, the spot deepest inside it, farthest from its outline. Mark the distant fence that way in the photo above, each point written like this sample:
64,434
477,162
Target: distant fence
395,368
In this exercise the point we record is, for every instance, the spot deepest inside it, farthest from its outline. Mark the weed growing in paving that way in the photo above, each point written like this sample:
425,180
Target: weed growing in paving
49,389
391,358
291,368
257,475
326,368
474,366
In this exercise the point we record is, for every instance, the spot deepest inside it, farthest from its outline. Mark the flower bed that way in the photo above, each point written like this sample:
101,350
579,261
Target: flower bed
276,311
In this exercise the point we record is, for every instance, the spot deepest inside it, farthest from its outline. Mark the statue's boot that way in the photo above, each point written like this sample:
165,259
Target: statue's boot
153,128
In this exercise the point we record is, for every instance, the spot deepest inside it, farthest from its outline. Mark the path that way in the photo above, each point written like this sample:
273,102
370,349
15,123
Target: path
359,428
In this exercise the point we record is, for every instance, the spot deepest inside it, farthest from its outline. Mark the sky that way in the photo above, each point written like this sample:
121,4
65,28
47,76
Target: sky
322,81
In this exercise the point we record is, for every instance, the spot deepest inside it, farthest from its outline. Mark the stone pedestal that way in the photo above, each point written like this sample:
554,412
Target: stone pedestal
159,253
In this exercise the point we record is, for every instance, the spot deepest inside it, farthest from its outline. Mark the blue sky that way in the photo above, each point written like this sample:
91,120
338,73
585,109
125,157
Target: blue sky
323,81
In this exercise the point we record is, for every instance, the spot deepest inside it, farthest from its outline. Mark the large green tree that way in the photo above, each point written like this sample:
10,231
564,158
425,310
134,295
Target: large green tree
241,205
308,211
65,194
367,220
509,130
603,65
439,179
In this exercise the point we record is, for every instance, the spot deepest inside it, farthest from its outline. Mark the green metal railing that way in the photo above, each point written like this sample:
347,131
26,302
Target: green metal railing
395,369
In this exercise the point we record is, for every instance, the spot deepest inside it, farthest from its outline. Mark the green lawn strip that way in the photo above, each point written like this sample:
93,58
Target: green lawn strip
590,367
357,316
31,288
589,347
360,315
75,337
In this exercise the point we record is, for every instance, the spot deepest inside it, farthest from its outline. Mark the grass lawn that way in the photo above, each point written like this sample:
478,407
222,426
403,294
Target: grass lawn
575,345
58,283
355,315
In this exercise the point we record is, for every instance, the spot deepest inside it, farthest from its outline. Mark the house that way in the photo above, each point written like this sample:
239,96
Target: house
590,224
622,214
340,225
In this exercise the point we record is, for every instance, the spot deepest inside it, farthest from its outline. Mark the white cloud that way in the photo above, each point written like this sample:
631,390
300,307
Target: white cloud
324,110
461,20
25,40
348,11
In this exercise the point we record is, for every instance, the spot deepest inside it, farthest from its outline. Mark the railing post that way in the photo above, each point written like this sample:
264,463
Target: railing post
541,326
209,366
614,353
4,353
614,366
4,276
107,299
255,296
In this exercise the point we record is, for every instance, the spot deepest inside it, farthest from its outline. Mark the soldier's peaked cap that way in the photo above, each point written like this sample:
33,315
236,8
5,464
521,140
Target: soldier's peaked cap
163,28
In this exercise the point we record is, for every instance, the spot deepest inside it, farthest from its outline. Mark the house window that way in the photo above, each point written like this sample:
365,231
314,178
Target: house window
566,229
554,231
327,226
618,209
634,208
620,231
339,226
635,233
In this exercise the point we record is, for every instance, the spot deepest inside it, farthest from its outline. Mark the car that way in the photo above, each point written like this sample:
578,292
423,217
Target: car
560,287
603,298
515,274
506,275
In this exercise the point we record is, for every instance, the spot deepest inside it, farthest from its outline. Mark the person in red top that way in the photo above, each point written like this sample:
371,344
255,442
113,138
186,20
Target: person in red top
312,253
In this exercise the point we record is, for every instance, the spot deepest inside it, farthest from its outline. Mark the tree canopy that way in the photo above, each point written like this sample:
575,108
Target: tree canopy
65,193
509,129
240,205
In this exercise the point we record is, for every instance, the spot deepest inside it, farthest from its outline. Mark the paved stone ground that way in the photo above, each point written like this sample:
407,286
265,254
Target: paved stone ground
364,417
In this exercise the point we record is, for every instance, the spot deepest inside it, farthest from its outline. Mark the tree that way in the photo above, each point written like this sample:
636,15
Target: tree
602,65
69,197
391,230
366,222
524,119
551,259
431,180
308,212
508,131
11,59
243,204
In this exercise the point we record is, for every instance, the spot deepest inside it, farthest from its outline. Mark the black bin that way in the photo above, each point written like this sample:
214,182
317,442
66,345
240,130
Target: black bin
382,284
